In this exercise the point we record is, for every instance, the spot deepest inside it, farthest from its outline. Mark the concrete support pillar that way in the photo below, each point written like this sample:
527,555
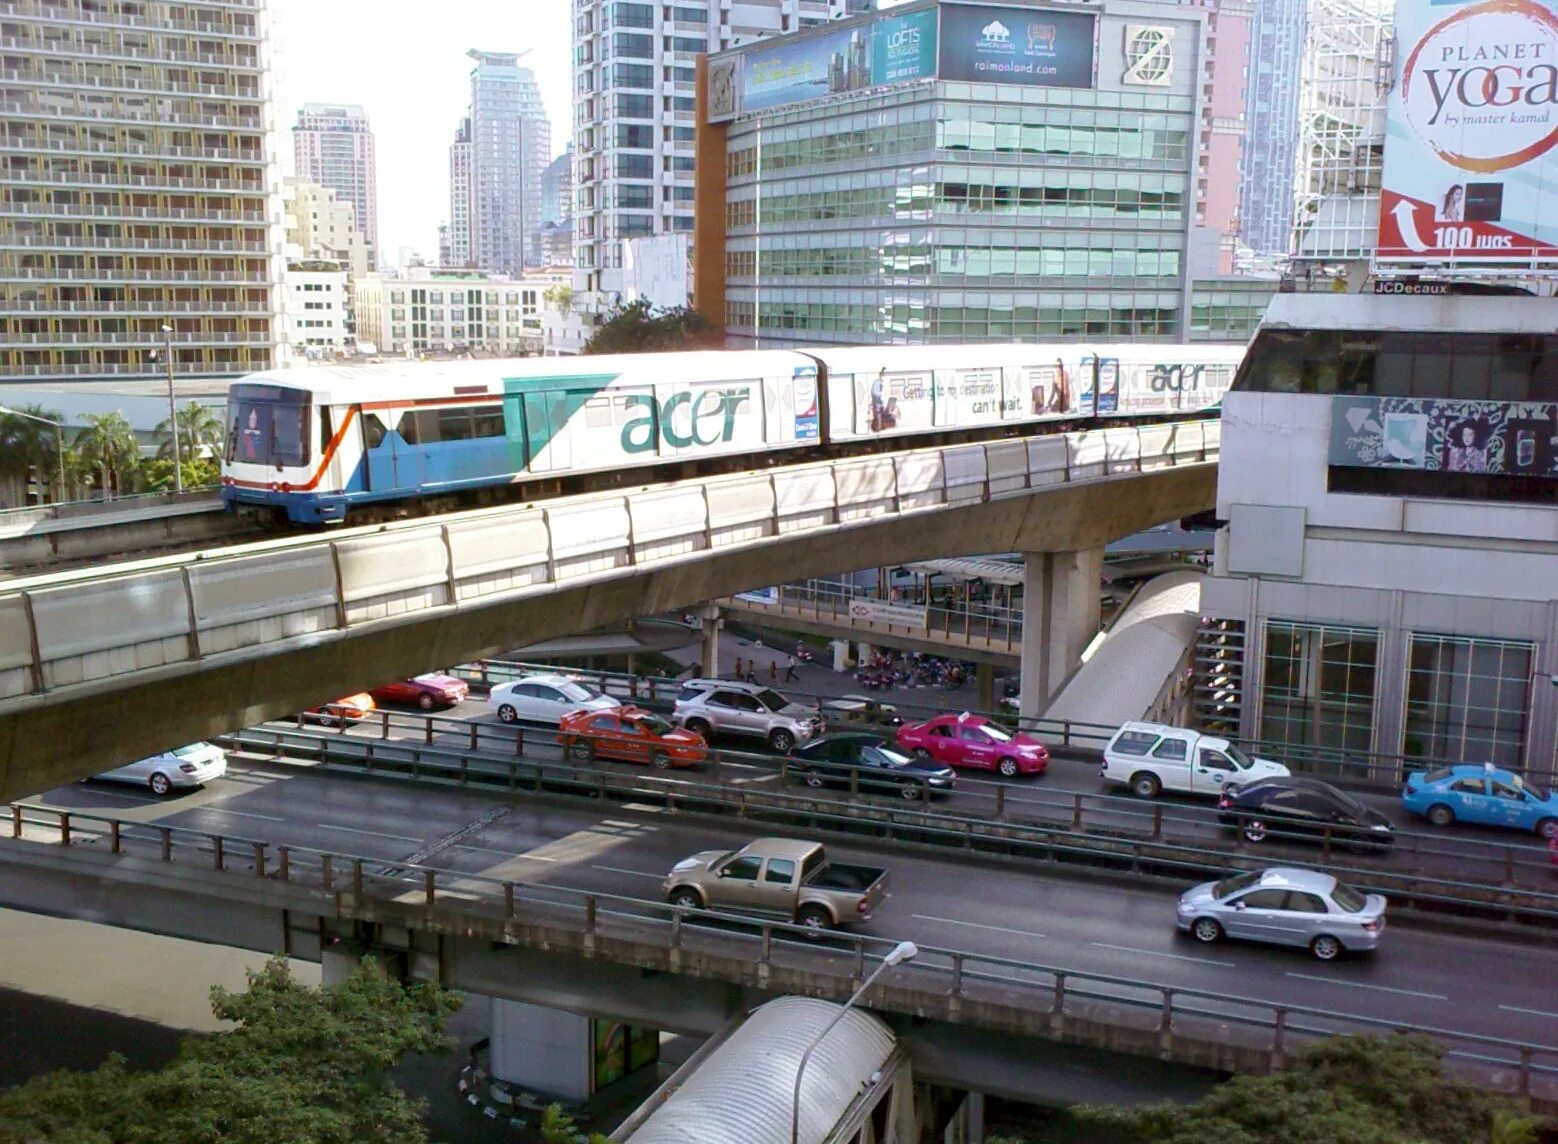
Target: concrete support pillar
711,620
984,681
1060,614
840,650
543,1050
967,1125
864,653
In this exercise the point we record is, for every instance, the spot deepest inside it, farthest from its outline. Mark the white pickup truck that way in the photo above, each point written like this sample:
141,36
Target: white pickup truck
1153,757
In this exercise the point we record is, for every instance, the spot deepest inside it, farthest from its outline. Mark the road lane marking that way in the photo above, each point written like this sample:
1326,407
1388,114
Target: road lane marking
634,873
1530,1012
975,925
1159,953
1365,985
369,833
241,813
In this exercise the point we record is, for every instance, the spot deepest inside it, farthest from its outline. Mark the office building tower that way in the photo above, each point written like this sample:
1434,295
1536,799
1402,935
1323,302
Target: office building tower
511,145
459,254
1220,138
1271,117
557,190
136,190
333,146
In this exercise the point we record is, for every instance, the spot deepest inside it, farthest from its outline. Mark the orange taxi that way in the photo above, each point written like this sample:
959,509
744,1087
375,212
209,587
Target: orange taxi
632,735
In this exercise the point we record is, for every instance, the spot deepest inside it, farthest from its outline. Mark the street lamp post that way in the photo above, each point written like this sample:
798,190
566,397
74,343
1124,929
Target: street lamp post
173,409
59,440
903,951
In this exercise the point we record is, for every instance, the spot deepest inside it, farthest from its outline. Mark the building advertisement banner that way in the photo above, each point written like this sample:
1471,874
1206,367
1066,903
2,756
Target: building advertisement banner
903,48
897,49
893,615
1035,47
1503,438
1471,173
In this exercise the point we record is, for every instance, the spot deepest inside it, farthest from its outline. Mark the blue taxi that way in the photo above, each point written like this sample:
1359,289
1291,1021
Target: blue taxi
1485,795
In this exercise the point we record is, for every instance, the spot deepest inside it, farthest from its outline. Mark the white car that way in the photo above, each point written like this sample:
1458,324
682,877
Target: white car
189,766
545,699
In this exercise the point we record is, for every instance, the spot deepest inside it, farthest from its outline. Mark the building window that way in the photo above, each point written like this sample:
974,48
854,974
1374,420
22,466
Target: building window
635,135
1467,700
1319,685
632,46
635,106
633,75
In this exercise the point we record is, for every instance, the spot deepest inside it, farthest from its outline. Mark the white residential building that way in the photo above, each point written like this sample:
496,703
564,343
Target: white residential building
322,226
428,311
316,298
333,146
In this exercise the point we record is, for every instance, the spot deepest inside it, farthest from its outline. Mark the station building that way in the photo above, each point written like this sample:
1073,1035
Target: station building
963,172
1386,587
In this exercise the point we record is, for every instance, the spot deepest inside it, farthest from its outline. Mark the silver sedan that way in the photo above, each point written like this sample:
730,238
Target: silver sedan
1285,906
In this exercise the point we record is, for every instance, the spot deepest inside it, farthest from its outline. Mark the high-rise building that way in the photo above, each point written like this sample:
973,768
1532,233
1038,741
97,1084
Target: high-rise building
633,114
333,146
557,190
511,144
1221,137
136,190
1271,118
459,254
321,226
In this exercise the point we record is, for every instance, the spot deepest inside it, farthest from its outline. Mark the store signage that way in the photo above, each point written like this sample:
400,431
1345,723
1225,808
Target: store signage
1391,286
893,615
1502,438
1033,47
1471,170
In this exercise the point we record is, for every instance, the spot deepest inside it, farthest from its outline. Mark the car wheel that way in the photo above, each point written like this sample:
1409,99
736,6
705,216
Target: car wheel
160,784
1007,768
1547,828
1145,785
1441,815
781,741
813,780
1325,947
425,701
659,760
910,791
814,918
507,714
687,900
1207,930
699,727
1254,830
582,749
922,754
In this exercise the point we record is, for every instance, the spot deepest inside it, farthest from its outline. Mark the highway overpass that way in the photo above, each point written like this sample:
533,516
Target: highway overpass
103,665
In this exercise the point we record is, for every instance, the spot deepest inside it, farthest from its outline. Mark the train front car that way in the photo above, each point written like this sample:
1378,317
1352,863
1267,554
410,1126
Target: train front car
278,453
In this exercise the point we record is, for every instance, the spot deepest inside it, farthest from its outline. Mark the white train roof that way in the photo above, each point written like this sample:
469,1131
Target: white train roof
1455,313
994,355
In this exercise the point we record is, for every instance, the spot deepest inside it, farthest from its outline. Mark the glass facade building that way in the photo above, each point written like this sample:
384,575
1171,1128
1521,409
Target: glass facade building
944,209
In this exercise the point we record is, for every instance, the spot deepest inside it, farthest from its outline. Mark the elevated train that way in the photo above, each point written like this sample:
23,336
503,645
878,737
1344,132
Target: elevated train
310,447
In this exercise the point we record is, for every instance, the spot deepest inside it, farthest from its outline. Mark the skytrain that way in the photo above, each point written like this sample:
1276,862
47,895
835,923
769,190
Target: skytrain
312,446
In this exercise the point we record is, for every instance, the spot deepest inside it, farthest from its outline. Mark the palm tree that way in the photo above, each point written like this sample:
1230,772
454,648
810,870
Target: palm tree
108,444
28,446
200,430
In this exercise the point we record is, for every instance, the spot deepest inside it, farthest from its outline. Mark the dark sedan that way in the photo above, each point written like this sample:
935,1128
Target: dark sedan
1291,808
837,760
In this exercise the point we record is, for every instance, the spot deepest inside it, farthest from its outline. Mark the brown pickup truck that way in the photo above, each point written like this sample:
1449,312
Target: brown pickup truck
779,877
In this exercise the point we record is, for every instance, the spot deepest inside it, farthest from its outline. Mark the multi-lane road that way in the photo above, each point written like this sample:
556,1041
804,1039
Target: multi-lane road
1468,984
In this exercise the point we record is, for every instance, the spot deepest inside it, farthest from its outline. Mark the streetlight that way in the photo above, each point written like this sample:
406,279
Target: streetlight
903,951
59,439
173,409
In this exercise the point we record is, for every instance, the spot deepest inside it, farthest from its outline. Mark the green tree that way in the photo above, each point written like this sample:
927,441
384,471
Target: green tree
639,328
199,472
557,1127
1343,1090
559,297
305,1066
29,447
108,445
200,434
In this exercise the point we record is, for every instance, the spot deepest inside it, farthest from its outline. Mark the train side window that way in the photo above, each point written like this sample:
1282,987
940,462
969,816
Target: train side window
326,430
454,424
372,430
597,413
408,428
488,420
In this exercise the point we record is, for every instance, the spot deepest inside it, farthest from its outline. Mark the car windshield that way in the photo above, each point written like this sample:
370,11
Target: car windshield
192,749
1240,759
1356,808
430,677
654,725
1348,898
577,692
997,732
1233,885
772,700
1536,792
1437,776
890,758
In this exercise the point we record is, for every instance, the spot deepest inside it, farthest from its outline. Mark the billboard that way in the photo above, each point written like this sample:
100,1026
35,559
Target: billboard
1034,47
1502,438
1471,174
887,51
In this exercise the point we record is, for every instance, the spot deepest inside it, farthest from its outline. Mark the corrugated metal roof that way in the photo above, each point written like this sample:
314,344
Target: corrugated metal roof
743,1092
971,568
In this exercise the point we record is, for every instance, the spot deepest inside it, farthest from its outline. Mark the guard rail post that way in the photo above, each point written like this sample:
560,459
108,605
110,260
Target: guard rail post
1157,822
218,852
1076,812
1000,800
259,859
429,880
357,877
167,842
590,909
1523,1080
1166,1021
283,866
326,872
384,724
113,837
64,817
957,975
508,901
475,733
16,821
1279,1024
519,742
767,955
427,731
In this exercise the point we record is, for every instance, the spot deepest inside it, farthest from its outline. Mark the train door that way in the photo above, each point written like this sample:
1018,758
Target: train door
378,452
406,443
548,445
1101,381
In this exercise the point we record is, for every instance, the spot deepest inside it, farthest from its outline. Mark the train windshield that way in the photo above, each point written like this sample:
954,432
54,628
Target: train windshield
267,425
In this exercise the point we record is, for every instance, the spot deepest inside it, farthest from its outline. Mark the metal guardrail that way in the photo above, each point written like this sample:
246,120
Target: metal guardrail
95,513
1124,833
1051,993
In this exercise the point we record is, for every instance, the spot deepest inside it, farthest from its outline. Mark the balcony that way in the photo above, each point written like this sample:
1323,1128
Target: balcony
154,245
150,182
115,308
146,341
134,151
166,87
33,108
116,369
168,214
53,14
170,277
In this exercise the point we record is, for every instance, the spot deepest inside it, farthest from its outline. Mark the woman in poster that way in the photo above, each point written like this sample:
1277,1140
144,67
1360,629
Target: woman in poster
1466,449
1453,207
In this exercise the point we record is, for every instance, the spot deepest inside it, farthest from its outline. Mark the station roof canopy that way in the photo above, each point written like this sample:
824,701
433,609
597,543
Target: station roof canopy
972,568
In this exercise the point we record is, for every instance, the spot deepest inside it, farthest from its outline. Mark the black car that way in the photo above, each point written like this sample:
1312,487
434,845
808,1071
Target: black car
1280,808
836,760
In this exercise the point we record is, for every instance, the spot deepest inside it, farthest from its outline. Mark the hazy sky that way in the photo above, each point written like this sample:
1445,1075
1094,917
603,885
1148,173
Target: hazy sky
405,63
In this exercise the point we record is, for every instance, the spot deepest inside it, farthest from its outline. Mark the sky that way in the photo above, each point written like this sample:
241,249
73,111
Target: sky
405,63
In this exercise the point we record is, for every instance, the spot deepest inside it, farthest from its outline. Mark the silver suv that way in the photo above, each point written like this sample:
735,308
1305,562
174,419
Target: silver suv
725,707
